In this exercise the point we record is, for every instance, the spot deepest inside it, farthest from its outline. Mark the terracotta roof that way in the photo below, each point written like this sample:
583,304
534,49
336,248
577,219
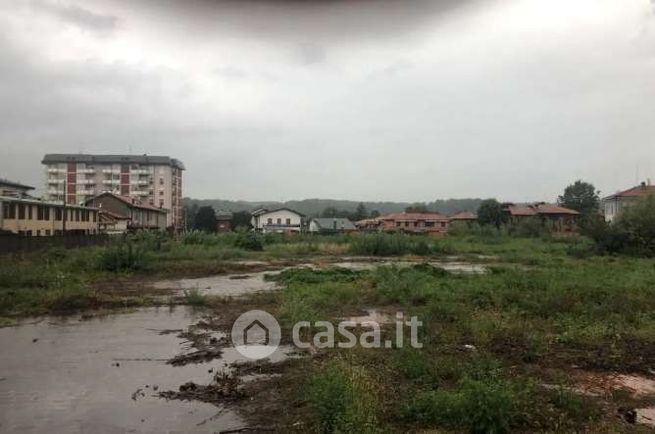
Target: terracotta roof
548,208
411,216
637,191
130,201
521,211
464,215
538,208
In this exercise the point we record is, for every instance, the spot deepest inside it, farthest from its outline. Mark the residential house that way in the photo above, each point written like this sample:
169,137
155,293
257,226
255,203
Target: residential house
331,225
153,180
281,220
33,217
559,219
369,225
223,221
613,205
140,216
432,223
112,223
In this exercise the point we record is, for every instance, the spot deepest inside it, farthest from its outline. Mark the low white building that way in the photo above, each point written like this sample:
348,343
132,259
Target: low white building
281,220
613,205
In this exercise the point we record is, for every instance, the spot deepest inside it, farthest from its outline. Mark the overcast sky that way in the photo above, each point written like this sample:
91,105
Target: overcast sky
346,99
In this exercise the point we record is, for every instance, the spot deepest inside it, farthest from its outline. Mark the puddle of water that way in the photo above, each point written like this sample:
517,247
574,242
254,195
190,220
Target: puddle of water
646,416
640,386
372,315
453,267
222,285
234,285
65,381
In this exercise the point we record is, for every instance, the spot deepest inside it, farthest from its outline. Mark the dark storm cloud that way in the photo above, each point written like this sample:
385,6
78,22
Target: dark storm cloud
77,15
320,21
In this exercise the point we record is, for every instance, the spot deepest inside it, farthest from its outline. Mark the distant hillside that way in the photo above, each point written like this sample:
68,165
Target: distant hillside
314,207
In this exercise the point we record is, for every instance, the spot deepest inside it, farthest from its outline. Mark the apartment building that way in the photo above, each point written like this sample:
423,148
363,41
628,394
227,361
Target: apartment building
154,180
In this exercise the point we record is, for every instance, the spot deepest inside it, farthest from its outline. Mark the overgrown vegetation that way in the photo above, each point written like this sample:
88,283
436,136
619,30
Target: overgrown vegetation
492,342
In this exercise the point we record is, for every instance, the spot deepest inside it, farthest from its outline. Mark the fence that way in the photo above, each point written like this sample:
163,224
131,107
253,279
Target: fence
23,244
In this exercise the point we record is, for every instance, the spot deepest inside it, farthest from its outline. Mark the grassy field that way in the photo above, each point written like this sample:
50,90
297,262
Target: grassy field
507,350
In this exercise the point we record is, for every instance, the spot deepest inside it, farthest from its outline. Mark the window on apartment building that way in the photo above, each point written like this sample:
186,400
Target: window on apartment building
429,224
398,224
270,221
95,217
288,221
38,233
161,181
58,214
29,212
443,224
21,211
279,221
47,232
161,203
46,213
39,212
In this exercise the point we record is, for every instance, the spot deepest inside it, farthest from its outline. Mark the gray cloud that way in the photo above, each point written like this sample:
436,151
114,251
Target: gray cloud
311,53
400,103
77,15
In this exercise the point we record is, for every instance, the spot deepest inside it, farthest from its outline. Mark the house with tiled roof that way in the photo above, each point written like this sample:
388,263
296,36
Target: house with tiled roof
331,225
614,204
559,219
280,220
407,222
139,215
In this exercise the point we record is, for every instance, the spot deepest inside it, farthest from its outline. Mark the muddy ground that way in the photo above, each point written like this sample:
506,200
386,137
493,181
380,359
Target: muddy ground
168,367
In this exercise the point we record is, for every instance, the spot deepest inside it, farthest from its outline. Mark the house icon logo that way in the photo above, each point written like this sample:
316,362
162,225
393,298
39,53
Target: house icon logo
256,334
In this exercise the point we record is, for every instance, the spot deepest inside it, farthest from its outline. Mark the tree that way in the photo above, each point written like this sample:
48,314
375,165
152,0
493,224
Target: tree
582,197
205,219
361,212
190,212
329,212
420,208
375,214
491,213
241,220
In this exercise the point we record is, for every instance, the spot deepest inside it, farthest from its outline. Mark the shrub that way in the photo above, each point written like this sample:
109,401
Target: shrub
632,233
194,297
529,228
487,405
249,241
125,256
343,400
